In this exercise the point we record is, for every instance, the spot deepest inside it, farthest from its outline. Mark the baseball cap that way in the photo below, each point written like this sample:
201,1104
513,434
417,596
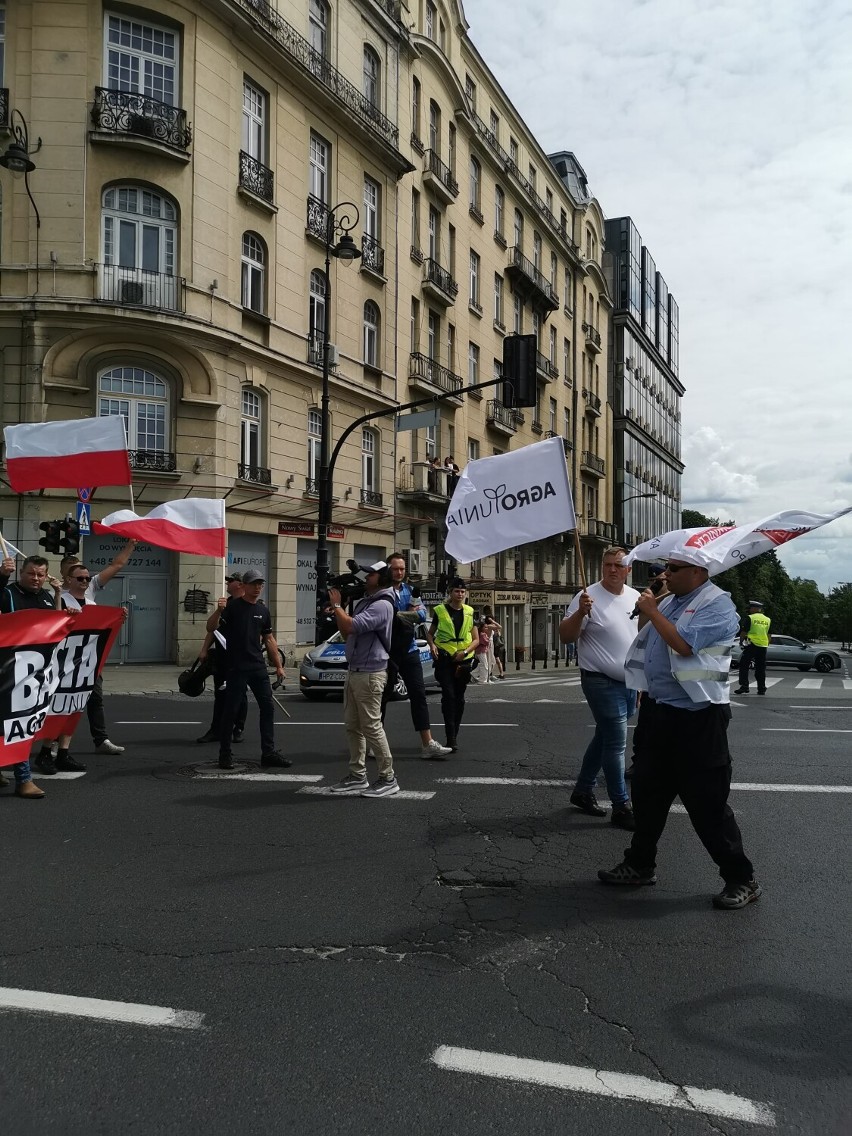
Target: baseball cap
234,577
252,576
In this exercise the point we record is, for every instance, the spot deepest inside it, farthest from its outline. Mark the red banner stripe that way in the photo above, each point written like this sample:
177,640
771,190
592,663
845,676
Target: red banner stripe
167,534
67,471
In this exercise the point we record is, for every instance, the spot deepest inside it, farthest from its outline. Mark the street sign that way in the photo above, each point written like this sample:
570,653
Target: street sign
84,517
419,421
84,494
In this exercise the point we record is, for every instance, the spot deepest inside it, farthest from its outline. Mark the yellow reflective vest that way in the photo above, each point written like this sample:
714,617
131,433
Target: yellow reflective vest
445,638
758,631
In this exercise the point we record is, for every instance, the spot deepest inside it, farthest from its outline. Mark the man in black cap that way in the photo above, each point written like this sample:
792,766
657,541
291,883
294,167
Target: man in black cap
234,587
453,639
244,625
754,639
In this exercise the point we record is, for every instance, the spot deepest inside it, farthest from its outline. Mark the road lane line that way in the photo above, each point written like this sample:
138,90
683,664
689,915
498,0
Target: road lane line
755,787
556,783
847,684
60,775
604,1083
799,730
809,684
402,795
225,776
157,722
134,1013
812,706
527,781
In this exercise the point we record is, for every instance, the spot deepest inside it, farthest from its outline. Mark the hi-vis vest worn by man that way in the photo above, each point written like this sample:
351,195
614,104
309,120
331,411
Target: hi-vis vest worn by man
758,631
445,638
704,677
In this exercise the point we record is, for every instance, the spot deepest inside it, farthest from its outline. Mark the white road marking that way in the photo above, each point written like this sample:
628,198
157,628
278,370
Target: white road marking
225,776
754,787
526,781
809,684
135,1013
157,722
604,1083
847,684
811,706
799,730
552,701
62,775
402,795
555,783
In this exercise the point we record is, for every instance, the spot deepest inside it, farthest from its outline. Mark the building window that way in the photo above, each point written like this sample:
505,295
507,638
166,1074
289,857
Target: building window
537,251
517,314
434,127
552,419
536,328
533,176
451,345
416,101
475,186
370,215
519,229
569,291
141,397
513,151
566,423
554,270
253,282
470,91
318,26
451,148
472,449
591,244
140,232
433,333
372,68
368,461
552,353
250,430
415,220
320,153
494,126
431,20
498,298
499,210
472,364
548,199
254,122
314,448
2,43
434,232
371,334
316,310
142,59
474,279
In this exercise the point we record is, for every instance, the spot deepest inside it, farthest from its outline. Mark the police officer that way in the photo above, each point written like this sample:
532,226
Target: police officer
452,640
754,639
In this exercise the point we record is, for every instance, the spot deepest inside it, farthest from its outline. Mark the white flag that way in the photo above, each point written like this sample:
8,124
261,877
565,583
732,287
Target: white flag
723,547
510,499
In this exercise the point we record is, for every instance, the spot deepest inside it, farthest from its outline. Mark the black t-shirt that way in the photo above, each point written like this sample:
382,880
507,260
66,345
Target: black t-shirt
16,598
243,624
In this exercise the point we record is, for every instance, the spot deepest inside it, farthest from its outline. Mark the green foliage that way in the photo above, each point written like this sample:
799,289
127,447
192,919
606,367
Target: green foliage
839,613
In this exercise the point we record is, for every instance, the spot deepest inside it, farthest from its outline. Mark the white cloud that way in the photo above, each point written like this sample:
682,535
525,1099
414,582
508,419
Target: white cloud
722,129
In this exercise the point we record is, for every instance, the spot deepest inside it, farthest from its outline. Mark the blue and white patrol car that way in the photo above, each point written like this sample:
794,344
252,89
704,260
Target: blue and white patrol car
323,669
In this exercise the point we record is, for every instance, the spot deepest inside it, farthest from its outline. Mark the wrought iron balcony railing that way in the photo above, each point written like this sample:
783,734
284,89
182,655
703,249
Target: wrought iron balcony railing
138,116
422,367
546,367
4,108
440,170
567,446
372,255
315,343
592,461
256,177
593,402
317,66
499,415
312,487
152,461
371,497
138,288
318,215
593,336
534,279
259,474
434,273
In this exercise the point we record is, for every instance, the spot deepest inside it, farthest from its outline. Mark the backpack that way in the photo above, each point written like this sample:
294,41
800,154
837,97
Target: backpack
191,681
402,635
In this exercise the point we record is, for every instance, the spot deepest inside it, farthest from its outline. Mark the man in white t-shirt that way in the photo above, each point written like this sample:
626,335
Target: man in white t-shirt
598,620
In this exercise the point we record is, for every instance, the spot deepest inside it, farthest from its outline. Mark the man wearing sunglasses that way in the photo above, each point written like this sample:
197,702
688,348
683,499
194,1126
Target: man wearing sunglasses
234,588
681,658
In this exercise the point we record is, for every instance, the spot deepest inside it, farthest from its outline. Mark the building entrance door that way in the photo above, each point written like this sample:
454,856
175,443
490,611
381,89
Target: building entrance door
144,638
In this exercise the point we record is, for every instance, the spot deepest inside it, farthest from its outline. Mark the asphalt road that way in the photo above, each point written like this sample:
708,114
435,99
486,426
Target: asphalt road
330,948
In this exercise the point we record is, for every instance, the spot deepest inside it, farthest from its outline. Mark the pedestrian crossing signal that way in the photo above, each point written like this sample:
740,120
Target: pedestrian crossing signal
71,536
52,536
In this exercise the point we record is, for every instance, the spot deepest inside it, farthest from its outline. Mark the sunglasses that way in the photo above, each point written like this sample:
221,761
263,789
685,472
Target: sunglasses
672,568
81,579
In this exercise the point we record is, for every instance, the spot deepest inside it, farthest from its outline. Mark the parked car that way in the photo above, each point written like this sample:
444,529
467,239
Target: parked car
785,651
323,669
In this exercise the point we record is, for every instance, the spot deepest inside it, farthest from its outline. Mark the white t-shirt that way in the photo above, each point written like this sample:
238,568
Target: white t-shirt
72,604
607,633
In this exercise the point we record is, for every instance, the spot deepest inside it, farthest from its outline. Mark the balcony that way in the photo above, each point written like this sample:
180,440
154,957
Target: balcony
593,403
372,256
138,288
424,483
371,499
545,368
601,531
438,176
438,283
429,376
4,108
315,351
593,338
501,418
152,461
591,463
312,487
257,474
566,445
125,114
536,426
317,219
256,179
530,282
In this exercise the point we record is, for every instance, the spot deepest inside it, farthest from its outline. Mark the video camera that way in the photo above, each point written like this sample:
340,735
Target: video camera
351,584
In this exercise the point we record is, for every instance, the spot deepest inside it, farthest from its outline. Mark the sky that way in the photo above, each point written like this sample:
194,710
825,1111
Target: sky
723,130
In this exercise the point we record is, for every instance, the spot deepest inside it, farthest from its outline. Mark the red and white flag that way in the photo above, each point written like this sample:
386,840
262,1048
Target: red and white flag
195,525
65,455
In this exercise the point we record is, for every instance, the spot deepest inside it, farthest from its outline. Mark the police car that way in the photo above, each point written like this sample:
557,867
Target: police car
323,669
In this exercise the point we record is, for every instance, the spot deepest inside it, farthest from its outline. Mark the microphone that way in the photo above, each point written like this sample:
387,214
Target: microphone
656,586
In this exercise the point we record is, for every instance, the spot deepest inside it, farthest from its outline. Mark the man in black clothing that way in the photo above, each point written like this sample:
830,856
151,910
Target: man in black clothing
234,585
244,624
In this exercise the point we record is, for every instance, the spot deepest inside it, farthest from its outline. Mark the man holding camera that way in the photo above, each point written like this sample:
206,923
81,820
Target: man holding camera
367,632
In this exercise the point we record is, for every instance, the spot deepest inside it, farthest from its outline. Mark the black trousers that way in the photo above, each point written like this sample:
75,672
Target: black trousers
220,686
411,671
684,753
236,682
95,712
453,681
758,654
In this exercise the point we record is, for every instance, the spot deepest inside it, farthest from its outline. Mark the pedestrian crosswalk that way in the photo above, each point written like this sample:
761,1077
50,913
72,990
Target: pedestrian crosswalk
829,684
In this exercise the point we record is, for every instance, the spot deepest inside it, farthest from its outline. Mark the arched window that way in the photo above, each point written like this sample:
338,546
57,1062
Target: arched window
314,449
253,281
318,26
251,434
316,312
519,230
139,227
475,185
141,397
372,70
371,334
369,467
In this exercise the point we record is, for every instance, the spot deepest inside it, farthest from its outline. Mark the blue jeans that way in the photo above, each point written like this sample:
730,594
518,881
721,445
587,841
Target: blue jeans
22,772
611,704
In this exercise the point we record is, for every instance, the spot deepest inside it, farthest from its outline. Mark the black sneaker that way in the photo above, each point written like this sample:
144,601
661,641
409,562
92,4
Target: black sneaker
275,760
45,764
737,895
761,692
69,765
587,803
625,873
622,817
210,736
226,761
741,690
237,736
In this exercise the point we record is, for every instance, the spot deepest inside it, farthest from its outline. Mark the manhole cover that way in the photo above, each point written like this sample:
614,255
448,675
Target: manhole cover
205,770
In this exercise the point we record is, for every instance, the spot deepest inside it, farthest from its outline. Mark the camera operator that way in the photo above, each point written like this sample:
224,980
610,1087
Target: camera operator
367,632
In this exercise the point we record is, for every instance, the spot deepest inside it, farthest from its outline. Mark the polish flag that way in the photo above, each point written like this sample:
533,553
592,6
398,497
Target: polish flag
195,525
66,455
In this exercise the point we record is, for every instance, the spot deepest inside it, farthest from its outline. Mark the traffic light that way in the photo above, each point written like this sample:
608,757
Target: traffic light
519,370
52,535
71,536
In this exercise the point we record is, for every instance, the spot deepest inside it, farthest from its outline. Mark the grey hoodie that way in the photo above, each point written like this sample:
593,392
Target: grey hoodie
366,646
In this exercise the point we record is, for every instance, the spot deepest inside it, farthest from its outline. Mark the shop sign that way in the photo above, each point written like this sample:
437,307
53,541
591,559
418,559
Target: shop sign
477,598
295,528
510,597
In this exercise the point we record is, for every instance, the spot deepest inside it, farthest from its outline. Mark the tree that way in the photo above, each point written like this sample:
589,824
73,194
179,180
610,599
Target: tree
839,614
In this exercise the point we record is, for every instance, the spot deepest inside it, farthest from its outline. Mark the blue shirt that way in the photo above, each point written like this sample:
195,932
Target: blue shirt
714,623
403,603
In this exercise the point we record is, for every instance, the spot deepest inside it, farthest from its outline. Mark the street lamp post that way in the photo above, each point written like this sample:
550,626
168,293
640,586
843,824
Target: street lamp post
17,160
346,250
632,497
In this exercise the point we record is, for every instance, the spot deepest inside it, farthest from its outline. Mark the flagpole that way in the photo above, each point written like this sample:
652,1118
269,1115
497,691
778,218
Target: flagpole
580,564
3,547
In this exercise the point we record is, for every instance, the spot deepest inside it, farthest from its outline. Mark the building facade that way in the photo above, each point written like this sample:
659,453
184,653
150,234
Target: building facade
170,268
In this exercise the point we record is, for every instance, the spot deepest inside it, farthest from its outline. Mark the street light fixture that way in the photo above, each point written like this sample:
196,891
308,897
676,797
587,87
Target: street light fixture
346,250
17,160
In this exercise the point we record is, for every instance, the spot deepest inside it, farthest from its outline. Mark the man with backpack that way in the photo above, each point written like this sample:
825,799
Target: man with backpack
405,657
367,632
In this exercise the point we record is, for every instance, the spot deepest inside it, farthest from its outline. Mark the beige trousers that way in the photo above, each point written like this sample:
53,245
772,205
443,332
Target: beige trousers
362,717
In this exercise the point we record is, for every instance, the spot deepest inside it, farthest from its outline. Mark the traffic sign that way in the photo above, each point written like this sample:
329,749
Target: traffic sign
84,494
84,516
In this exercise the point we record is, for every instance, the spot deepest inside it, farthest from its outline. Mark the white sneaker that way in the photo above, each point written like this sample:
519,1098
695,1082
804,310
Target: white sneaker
435,749
109,747
350,784
382,788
